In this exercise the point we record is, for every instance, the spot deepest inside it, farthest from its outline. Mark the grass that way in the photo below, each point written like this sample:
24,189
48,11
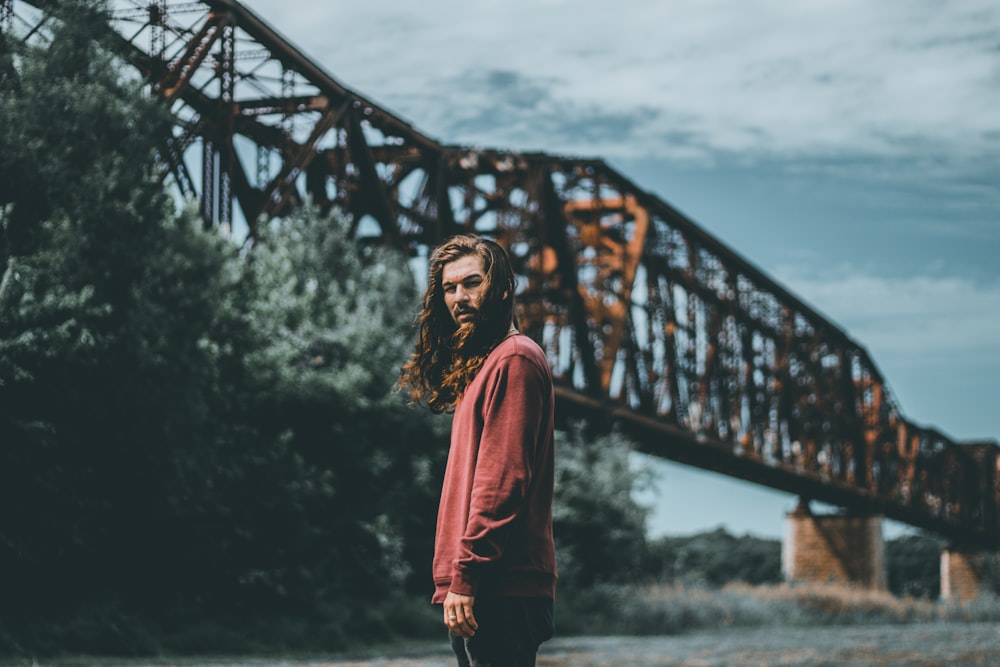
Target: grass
869,645
672,610
660,620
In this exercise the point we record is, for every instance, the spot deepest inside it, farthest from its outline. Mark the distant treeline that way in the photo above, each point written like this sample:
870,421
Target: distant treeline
717,557
200,445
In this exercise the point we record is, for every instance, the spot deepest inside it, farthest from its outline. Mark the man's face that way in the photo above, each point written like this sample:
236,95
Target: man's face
463,282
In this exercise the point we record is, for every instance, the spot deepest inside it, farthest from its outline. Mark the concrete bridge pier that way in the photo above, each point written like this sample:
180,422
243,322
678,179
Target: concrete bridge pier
965,573
834,548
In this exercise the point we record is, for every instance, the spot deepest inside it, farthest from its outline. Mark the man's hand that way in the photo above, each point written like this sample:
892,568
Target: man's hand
458,614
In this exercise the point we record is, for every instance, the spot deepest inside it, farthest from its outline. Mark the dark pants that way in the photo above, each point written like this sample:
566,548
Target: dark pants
510,632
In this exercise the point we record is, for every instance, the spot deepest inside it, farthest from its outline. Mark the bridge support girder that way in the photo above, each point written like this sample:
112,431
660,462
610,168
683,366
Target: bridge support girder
834,548
966,573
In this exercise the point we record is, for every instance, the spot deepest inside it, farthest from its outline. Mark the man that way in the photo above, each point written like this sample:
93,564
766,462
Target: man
494,558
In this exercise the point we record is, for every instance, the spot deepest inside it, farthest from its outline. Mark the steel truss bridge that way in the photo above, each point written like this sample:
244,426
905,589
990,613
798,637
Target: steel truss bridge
648,321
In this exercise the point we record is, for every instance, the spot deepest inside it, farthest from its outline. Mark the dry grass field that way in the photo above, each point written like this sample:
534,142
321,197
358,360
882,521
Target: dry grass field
940,644
735,626
923,645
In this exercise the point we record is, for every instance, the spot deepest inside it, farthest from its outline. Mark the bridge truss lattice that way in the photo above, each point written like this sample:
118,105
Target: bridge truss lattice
646,318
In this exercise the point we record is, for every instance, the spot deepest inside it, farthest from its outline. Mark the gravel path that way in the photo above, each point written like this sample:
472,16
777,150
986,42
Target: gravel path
916,645
919,645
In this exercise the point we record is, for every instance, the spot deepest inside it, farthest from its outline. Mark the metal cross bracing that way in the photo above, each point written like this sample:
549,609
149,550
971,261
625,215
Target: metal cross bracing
6,15
647,320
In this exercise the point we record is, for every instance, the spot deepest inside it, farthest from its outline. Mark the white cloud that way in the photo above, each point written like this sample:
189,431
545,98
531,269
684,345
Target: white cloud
899,96
936,339
914,320
771,76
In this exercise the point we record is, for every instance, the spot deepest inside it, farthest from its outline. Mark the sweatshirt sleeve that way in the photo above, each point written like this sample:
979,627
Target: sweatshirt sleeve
511,413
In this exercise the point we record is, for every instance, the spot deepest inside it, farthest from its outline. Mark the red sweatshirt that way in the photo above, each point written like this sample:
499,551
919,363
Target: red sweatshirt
494,526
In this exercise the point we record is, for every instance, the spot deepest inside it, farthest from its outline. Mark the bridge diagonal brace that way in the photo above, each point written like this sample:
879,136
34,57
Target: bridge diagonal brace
617,255
280,190
178,75
249,197
556,225
373,198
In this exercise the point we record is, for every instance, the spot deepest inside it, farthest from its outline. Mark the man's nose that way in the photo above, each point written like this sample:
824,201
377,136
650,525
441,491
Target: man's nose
461,294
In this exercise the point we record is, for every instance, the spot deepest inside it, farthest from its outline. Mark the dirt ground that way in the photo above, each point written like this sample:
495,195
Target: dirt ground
916,645
925,645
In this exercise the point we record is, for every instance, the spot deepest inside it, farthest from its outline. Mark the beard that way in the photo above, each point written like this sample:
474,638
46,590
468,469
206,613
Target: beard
478,336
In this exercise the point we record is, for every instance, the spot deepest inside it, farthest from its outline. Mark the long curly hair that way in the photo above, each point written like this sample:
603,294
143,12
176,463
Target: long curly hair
447,357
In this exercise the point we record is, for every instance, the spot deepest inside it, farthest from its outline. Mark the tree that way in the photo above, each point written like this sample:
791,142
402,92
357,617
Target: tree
914,564
121,343
187,439
715,558
78,147
600,530
337,317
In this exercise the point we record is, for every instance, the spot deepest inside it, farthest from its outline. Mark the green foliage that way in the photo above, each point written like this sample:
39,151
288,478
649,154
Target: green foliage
81,333
77,137
714,558
326,304
599,528
188,441
122,341
914,565
333,315
633,610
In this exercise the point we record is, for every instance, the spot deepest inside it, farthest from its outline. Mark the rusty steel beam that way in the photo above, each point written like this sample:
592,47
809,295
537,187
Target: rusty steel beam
6,16
647,319
177,74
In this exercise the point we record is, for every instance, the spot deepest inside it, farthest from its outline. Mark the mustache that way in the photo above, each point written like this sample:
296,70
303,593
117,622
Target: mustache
463,309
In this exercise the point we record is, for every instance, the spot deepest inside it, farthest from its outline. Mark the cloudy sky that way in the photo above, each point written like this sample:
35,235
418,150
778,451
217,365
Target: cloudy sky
848,148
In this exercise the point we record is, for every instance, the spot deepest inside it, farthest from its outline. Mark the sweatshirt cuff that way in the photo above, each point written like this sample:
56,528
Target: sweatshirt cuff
463,584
